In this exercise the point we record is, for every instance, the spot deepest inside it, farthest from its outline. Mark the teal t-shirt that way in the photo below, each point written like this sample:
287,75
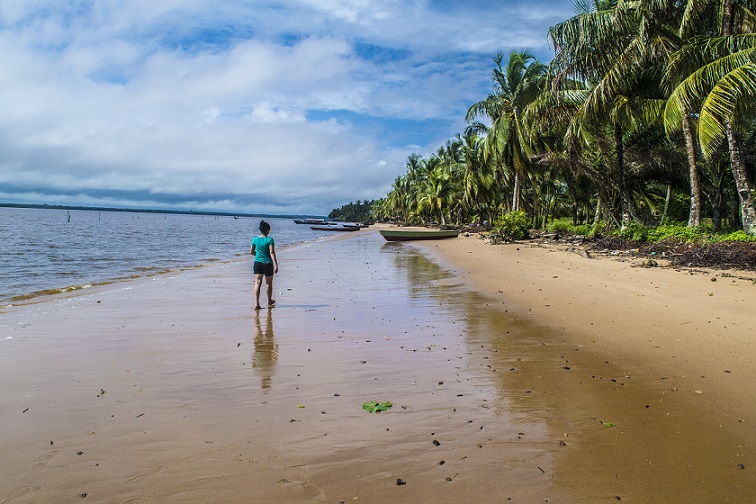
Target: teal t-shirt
262,249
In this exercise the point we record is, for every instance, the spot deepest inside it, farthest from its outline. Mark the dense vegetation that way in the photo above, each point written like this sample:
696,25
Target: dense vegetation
645,116
354,212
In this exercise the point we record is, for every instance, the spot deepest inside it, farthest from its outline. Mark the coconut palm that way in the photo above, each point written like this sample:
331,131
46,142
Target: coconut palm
723,88
434,190
615,47
719,78
517,82
594,141
471,173
588,47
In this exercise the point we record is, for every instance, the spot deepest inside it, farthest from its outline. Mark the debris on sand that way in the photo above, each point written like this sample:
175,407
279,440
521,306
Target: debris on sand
376,407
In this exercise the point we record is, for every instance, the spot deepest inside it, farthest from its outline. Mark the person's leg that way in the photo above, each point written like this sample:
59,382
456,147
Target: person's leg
269,287
258,286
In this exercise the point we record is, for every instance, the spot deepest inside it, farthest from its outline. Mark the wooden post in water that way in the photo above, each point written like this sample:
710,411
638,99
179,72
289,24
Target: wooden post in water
68,212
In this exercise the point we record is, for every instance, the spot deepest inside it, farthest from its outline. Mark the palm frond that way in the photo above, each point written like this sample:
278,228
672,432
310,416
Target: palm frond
698,14
734,91
552,108
586,44
615,81
649,111
693,90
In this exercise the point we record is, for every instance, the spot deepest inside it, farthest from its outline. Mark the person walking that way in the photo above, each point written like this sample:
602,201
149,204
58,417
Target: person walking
265,265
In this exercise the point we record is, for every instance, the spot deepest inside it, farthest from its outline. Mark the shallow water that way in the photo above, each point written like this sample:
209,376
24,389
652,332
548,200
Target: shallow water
43,252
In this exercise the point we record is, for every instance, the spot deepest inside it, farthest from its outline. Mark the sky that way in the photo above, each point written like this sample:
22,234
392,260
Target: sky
285,107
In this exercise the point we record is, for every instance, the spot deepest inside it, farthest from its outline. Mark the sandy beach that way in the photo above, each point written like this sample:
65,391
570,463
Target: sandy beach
517,374
665,356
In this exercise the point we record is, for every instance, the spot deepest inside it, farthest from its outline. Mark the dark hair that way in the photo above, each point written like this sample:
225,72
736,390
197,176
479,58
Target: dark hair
264,226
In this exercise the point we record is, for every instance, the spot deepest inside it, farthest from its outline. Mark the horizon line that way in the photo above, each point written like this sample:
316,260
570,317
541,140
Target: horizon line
57,206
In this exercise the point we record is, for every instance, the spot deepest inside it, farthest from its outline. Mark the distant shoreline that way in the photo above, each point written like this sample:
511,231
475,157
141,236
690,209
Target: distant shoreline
150,210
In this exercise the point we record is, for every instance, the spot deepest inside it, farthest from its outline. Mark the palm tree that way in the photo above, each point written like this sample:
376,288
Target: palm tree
720,78
517,82
470,173
617,48
724,89
434,191
595,141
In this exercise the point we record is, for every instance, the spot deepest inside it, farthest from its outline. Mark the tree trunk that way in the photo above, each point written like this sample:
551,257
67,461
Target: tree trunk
694,217
516,191
597,215
716,196
667,201
574,212
742,184
716,212
620,167
727,18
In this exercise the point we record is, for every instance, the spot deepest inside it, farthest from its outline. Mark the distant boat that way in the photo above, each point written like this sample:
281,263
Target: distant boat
336,226
417,234
310,221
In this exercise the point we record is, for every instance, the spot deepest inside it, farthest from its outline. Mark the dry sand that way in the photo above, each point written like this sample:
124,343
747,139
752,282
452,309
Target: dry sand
517,374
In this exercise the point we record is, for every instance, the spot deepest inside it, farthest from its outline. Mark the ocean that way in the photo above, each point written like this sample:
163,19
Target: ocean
42,252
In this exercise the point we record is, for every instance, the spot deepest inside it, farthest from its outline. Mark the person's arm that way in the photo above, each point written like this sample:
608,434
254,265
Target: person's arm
273,256
252,249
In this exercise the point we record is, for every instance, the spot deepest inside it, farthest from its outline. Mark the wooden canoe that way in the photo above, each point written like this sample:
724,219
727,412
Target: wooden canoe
336,227
409,235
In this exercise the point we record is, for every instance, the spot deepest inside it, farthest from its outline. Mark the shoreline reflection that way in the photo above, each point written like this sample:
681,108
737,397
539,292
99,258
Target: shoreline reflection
265,354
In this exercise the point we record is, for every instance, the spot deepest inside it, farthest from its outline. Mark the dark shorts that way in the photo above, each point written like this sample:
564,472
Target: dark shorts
263,269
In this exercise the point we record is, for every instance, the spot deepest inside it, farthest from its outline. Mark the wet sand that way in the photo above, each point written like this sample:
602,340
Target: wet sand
173,389
658,368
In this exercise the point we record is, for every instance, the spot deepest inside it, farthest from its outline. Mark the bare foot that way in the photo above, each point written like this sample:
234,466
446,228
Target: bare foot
258,307
271,302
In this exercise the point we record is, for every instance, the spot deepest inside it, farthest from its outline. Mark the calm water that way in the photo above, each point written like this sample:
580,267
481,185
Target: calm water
41,252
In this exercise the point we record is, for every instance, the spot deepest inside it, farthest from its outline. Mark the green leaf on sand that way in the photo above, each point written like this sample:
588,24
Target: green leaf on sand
376,407
610,424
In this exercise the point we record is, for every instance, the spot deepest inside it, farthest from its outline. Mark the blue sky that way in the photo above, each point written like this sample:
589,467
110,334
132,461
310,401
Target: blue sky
287,107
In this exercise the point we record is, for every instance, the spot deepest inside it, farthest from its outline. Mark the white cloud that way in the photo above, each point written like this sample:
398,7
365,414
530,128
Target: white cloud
210,103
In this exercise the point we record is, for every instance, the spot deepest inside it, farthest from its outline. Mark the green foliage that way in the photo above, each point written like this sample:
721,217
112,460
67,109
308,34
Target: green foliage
583,230
565,226
559,226
737,236
679,232
634,231
512,226
359,211
679,209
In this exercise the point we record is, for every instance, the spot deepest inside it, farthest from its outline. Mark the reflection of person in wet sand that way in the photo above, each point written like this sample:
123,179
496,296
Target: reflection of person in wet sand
266,350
